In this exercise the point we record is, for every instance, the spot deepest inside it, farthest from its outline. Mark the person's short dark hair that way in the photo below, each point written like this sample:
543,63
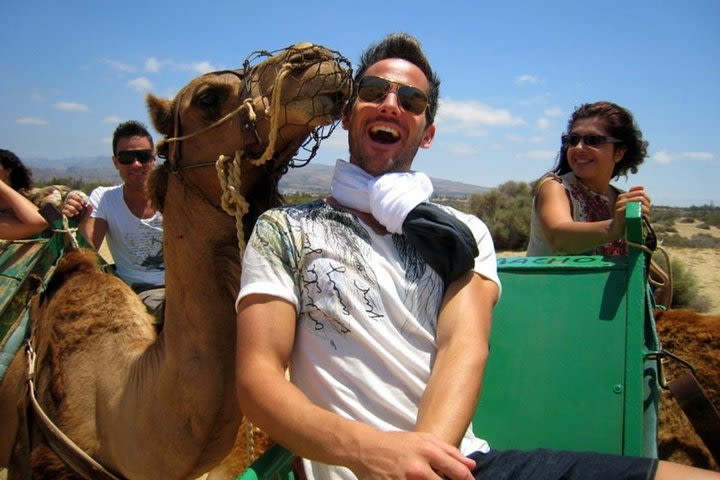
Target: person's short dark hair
20,175
619,123
406,47
131,128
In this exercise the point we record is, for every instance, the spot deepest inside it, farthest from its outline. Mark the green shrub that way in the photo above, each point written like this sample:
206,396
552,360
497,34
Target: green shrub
684,285
74,183
506,212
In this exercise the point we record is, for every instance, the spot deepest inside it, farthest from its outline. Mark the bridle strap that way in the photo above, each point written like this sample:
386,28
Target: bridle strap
247,104
76,458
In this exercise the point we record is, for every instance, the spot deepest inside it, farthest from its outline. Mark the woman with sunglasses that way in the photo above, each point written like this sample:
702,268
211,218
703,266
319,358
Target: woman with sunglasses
19,217
575,208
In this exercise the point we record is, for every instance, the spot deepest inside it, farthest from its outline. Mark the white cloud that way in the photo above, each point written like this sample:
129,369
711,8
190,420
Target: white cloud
469,117
538,100
662,157
543,123
202,67
665,156
703,156
141,84
522,140
337,141
539,154
71,107
464,150
31,121
152,64
36,97
526,80
116,65
553,112
112,119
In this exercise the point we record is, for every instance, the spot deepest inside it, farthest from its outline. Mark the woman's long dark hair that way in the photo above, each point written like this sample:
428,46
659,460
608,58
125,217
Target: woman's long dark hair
20,175
619,123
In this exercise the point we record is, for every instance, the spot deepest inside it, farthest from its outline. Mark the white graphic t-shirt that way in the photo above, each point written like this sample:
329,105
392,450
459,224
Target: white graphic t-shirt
367,312
136,244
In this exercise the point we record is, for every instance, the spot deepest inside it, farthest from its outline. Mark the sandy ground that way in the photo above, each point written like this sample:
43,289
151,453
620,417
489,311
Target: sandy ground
105,252
704,263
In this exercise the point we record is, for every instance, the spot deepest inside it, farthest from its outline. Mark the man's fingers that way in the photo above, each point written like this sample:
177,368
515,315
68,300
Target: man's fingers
451,463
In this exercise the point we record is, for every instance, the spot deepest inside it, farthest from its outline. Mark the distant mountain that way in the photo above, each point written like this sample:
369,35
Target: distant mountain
89,169
312,178
316,178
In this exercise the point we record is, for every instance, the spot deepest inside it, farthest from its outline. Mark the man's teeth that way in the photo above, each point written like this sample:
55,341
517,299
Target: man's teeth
385,129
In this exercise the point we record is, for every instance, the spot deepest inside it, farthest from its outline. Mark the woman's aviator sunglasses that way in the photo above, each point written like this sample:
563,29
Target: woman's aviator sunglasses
589,140
127,157
374,89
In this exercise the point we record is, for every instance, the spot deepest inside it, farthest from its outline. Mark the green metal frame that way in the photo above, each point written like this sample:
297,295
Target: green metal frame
568,355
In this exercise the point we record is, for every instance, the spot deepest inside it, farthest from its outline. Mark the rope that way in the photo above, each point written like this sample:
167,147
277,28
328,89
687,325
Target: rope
70,232
655,274
229,174
247,104
274,115
250,440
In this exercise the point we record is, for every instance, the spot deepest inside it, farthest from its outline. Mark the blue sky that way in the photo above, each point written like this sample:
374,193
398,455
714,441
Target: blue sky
512,73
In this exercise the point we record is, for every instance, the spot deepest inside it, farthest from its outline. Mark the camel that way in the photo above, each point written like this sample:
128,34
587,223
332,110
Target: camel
149,405
696,339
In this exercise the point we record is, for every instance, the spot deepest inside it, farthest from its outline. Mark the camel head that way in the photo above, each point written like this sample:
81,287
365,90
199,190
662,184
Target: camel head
255,120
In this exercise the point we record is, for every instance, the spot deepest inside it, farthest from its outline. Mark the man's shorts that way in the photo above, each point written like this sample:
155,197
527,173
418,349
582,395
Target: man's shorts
545,464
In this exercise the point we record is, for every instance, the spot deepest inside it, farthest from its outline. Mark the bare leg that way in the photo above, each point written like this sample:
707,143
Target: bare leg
667,470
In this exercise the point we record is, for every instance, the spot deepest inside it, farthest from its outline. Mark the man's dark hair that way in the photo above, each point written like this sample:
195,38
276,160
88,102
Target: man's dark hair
131,128
402,45
20,175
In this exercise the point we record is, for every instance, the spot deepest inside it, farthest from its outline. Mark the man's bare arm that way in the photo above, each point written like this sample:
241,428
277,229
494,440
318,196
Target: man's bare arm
266,332
463,334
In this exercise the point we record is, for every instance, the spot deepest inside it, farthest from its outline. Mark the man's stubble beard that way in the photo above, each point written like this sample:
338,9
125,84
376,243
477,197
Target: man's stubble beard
402,162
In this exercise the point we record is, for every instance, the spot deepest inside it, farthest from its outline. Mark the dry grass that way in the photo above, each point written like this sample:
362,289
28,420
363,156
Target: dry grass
704,263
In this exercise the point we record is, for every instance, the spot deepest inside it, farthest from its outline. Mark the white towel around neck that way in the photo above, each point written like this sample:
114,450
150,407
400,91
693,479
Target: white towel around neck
389,197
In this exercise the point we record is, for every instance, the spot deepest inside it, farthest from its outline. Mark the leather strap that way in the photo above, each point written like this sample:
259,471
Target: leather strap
699,410
66,449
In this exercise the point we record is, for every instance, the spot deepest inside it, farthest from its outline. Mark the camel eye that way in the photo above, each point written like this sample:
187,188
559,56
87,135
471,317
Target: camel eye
209,98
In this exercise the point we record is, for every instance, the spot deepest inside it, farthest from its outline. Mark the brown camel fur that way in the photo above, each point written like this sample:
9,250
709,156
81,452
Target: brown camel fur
696,339
148,405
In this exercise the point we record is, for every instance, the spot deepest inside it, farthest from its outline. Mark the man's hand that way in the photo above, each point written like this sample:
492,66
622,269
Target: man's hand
75,203
411,455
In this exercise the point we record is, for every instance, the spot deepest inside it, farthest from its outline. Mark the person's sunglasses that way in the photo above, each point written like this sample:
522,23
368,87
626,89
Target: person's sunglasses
374,89
589,140
127,157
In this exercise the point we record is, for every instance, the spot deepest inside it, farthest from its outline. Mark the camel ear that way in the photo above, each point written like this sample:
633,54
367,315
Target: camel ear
156,186
160,110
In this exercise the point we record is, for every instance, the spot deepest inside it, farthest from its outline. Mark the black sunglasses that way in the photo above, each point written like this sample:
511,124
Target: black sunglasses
127,157
373,89
589,140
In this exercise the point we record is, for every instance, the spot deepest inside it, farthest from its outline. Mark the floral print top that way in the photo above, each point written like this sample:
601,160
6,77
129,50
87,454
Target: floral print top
587,206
